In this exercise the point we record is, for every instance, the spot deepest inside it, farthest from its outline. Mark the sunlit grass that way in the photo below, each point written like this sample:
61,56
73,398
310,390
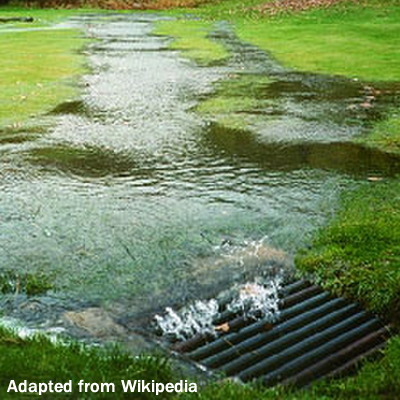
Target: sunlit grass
39,69
41,16
359,41
356,42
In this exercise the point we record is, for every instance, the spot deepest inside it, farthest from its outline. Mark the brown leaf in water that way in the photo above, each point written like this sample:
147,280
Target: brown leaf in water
250,289
268,326
224,328
374,178
366,104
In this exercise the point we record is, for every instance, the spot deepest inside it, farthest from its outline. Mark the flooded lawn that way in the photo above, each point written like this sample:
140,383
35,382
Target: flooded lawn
134,201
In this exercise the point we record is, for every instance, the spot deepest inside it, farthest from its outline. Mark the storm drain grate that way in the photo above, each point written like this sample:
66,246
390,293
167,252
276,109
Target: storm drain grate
315,336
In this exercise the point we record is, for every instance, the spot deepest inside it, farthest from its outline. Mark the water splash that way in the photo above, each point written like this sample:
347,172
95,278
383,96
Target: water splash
269,261
256,298
252,299
54,334
196,318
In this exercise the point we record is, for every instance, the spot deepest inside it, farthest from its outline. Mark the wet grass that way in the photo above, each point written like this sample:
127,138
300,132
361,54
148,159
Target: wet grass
354,41
234,99
31,284
385,135
22,134
227,105
376,380
85,162
359,41
39,71
358,254
42,17
191,37
38,360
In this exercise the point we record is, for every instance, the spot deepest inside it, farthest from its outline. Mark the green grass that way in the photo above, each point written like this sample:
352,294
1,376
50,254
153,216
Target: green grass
30,284
358,42
39,360
385,135
376,380
41,16
191,37
226,105
234,100
39,68
358,254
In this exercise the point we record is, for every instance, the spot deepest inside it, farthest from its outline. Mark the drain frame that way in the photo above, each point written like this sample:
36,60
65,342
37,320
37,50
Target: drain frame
315,336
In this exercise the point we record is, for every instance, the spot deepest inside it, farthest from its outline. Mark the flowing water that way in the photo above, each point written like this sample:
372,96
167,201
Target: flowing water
253,300
133,202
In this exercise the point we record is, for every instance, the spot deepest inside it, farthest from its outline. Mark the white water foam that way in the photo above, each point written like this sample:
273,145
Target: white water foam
253,299
196,318
23,332
257,297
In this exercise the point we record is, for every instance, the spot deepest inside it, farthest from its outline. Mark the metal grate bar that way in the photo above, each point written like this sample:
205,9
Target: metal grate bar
314,336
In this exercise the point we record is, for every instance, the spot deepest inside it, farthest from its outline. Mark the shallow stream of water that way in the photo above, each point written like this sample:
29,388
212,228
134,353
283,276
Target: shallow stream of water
133,202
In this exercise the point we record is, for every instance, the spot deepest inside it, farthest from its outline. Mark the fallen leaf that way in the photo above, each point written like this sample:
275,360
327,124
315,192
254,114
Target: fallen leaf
366,105
374,178
223,328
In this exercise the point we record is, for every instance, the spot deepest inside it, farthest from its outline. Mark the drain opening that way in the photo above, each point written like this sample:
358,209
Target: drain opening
288,333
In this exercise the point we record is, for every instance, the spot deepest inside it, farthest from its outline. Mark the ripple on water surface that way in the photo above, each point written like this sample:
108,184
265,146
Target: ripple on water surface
133,197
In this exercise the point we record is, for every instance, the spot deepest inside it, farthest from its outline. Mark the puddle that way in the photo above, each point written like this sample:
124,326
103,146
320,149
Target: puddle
134,202
77,107
86,162
342,157
303,106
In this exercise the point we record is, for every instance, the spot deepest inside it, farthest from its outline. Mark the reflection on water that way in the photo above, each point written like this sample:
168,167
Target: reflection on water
134,199
344,157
